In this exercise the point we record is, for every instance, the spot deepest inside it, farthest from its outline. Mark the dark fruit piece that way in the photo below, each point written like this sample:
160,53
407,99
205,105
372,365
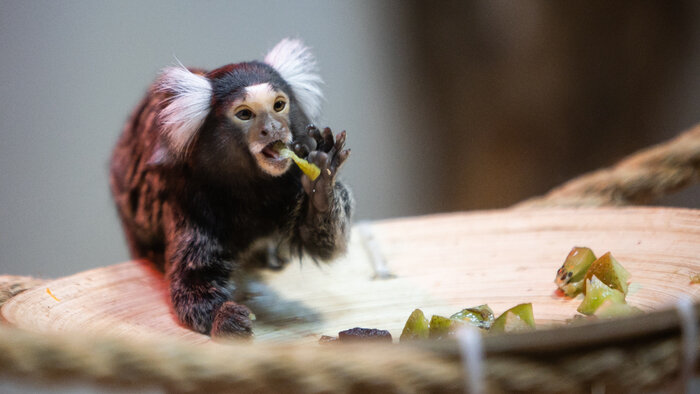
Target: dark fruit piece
364,334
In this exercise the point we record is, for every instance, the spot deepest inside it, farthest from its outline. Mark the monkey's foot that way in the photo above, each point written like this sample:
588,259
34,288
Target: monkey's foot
232,320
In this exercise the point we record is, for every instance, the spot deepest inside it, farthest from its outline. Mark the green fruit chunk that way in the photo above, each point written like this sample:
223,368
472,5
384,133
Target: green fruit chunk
480,316
517,318
610,272
416,327
442,327
596,293
574,270
610,309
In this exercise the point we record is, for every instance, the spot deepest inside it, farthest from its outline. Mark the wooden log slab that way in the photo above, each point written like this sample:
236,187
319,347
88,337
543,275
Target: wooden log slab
439,263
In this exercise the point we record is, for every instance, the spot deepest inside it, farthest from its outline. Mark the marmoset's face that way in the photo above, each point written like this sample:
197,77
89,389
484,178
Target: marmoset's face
262,114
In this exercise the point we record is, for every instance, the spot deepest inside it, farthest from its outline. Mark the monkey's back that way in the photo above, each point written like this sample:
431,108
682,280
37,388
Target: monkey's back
137,182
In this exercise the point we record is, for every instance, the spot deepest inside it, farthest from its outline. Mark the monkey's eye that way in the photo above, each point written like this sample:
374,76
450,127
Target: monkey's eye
244,114
279,105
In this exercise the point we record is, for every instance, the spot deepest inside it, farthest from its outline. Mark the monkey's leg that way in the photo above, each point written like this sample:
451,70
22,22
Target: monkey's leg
325,228
200,288
201,302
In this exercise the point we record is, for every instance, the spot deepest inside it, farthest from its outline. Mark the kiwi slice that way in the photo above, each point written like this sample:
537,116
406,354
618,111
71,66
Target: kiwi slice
610,309
596,293
610,272
480,316
574,270
416,327
442,327
517,318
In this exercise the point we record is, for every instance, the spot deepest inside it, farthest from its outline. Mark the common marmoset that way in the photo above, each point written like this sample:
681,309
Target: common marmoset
202,193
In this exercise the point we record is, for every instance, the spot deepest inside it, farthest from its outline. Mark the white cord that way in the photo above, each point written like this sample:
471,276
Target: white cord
381,271
471,349
689,340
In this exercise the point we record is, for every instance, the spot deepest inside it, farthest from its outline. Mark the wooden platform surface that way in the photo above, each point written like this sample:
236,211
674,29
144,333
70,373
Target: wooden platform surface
439,263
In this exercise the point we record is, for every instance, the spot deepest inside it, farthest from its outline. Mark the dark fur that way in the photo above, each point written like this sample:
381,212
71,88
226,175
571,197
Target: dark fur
201,216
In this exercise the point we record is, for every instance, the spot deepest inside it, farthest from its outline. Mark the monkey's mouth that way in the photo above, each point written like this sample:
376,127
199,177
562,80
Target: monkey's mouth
270,152
270,159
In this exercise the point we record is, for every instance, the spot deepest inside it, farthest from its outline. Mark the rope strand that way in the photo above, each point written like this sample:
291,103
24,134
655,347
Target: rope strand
641,178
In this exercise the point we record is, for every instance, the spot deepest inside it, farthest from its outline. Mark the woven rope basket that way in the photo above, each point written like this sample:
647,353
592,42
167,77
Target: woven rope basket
657,351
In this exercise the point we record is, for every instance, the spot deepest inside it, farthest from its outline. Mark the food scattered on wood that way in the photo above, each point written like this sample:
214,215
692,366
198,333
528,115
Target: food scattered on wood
417,327
695,279
48,291
310,169
603,280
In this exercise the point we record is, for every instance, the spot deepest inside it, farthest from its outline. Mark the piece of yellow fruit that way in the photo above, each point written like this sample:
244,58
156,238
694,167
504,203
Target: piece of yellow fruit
311,170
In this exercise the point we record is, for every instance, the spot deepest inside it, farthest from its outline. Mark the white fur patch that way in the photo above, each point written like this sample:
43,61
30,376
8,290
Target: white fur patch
188,106
295,63
260,92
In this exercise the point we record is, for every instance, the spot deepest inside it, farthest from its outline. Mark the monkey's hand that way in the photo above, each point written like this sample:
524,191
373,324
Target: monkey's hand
329,156
324,223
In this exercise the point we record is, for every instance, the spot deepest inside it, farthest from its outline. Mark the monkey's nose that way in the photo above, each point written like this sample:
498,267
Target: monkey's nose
264,132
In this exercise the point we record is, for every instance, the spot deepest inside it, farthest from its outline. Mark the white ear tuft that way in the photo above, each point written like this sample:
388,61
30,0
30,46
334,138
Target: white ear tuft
295,63
187,107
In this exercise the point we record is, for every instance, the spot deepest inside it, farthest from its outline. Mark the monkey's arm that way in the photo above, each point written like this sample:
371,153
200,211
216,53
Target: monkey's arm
198,271
326,209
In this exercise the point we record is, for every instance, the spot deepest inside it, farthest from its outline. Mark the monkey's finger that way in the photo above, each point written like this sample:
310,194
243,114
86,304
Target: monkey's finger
303,145
300,150
340,141
339,159
321,159
328,142
305,141
316,135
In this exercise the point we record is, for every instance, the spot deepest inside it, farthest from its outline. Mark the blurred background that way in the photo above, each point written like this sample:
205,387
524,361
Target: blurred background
456,106
448,105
